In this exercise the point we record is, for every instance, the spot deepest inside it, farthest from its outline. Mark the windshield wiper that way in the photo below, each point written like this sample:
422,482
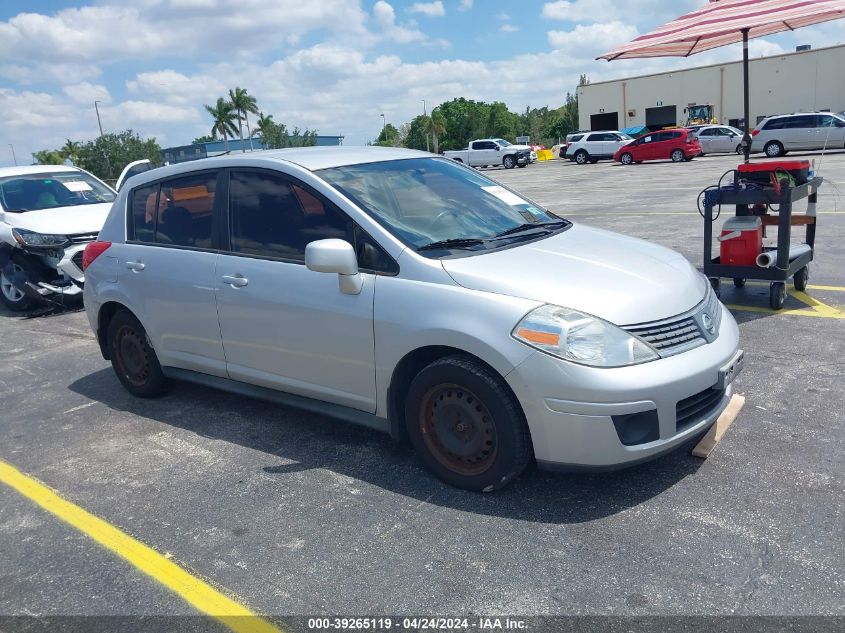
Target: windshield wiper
454,242
546,227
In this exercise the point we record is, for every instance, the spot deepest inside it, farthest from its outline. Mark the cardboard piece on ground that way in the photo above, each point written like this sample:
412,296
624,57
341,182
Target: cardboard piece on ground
723,422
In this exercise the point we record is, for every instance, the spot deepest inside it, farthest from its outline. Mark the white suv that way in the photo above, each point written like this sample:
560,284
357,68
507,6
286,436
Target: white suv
596,146
777,135
48,213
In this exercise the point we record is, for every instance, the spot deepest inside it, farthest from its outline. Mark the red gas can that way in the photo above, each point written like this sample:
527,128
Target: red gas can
741,241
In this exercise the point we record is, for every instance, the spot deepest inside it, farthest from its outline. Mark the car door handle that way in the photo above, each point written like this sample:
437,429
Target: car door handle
236,281
135,266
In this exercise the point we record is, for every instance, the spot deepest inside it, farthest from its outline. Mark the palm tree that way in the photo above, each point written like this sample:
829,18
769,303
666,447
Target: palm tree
244,104
71,150
264,127
224,120
438,127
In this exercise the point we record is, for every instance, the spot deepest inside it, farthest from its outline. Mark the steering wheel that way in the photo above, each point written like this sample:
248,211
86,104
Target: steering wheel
439,217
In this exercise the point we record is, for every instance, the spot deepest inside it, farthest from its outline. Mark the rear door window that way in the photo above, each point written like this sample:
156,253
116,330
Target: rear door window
185,210
774,124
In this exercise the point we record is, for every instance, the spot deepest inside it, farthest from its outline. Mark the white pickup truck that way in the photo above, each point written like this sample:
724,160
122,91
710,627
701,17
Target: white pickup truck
493,151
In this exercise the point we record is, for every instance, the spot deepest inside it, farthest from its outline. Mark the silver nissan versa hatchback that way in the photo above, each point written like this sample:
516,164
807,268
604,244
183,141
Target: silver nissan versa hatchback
411,294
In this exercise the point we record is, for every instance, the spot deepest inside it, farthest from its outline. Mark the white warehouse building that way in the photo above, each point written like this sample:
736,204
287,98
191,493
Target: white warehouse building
802,81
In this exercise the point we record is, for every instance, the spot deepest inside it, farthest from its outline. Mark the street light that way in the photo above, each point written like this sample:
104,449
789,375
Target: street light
383,125
14,158
100,124
425,114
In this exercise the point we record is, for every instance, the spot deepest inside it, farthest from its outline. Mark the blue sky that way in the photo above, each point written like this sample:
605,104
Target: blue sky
333,65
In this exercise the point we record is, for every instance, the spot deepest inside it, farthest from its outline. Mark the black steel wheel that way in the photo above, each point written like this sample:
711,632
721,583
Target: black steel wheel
133,358
777,295
801,277
466,425
739,282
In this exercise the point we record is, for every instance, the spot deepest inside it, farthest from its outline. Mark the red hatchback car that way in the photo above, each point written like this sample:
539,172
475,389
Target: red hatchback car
677,145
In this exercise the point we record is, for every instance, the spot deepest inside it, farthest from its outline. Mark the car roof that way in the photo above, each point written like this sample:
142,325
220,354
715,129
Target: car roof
25,170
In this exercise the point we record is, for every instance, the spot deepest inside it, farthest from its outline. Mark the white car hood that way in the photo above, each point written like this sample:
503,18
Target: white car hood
73,220
528,147
617,278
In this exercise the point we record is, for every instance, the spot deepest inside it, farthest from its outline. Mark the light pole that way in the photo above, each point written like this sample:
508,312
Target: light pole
100,124
14,158
425,114
383,125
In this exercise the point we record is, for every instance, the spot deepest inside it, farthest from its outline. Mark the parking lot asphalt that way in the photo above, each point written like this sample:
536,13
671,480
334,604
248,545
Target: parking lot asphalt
297,514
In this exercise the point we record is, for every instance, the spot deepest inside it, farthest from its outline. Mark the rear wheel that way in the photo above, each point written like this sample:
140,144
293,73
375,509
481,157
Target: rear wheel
582,157
739,282
18,270
466,425
133,358
678,156
777,295
800,278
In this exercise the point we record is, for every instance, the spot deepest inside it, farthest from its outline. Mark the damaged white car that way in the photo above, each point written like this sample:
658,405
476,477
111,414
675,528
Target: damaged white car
48,214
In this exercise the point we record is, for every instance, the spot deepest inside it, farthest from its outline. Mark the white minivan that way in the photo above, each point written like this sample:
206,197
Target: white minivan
411,294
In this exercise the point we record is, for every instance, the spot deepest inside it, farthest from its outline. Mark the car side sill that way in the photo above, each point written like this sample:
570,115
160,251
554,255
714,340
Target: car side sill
348,414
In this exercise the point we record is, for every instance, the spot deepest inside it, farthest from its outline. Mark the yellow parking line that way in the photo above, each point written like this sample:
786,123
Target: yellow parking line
833,288
796,312
194,591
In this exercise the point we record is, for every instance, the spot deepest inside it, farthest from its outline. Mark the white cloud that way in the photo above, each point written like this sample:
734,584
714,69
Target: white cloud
504,17
649,13
385,17
508,28
85,92
431,9
593,39
465,5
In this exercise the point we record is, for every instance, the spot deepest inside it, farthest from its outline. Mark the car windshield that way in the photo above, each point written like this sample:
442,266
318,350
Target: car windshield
503,142
430,201
33,192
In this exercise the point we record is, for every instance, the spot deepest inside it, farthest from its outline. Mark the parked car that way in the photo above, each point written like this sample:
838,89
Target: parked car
719,139
493,151
777,135
570,139
411,294
48,213
678,145
596,146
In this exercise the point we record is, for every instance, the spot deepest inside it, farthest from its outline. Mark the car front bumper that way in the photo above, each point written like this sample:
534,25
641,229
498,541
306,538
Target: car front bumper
570,408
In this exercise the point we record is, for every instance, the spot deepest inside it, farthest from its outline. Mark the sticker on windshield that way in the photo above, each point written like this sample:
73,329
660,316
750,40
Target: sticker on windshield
77,185
504,195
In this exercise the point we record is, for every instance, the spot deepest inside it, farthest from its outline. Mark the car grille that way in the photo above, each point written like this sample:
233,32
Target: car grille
693,409
77,259
683,332
82,238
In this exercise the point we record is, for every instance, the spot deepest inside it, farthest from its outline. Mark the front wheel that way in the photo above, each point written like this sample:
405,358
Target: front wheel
800,278
18,270
509,162
133,358
777,295
466,425
522,165
626,158
678,156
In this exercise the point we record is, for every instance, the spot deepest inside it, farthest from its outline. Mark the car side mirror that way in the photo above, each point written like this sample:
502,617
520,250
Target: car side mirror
498,148
335,256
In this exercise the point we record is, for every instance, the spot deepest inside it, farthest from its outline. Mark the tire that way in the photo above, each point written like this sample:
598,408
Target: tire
133,358
626,159
774,149
488,445
509,162
13,298
800,278
678,156
777,295
582,157
739,149
739,282
522,166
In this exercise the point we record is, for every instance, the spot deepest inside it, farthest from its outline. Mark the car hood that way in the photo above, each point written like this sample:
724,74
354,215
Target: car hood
73,220
617,278
528,147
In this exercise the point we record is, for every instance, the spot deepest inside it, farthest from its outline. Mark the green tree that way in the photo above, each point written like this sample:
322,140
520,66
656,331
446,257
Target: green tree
417,130
388,137
244,104
224,120
202,139
437,126
71,150
107,155
48,157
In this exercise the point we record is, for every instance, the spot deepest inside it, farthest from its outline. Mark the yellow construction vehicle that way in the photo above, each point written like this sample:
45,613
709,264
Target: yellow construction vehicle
700,115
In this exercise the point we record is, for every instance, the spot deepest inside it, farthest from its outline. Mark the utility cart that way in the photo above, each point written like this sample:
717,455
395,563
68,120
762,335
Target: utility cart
774,206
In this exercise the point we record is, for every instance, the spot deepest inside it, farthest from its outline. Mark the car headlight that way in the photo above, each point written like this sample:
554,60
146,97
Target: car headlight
31,238
581,338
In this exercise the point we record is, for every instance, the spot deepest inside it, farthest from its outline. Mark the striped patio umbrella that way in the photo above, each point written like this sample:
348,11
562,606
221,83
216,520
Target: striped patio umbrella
723,22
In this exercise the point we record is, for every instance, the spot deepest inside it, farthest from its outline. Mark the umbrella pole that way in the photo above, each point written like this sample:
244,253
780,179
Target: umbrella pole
746,139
